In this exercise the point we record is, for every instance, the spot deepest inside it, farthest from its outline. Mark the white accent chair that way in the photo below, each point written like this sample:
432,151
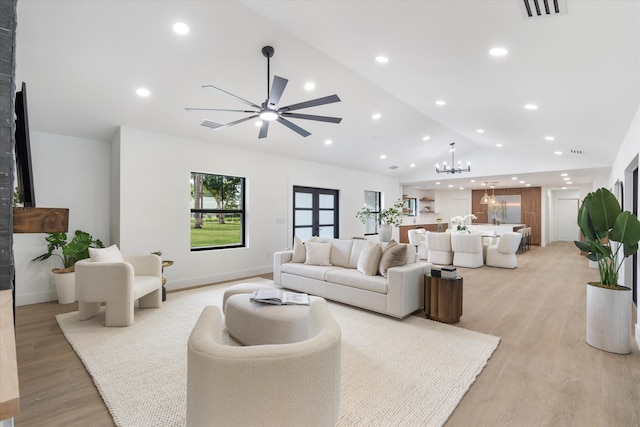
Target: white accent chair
295,384
418,239
119,285
503,254
440,251
467,250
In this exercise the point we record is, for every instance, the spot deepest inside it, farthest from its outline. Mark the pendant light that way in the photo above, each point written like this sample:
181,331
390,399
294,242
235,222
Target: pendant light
485,199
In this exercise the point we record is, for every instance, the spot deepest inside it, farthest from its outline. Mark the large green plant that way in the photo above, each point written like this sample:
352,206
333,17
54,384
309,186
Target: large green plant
602,222
69,252
390,216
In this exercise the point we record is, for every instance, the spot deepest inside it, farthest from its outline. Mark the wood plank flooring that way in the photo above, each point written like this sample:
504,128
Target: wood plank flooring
542,374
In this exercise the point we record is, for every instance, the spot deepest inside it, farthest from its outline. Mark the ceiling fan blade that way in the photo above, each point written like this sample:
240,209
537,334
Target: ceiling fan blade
312,117
313,103
249,103
219,109
211,124
264,129
294,127
276,91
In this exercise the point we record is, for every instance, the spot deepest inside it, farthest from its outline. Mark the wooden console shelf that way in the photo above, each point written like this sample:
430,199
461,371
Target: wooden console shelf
40,220
404,230
443,299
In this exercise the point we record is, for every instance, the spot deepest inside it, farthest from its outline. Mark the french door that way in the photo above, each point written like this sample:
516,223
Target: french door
315,212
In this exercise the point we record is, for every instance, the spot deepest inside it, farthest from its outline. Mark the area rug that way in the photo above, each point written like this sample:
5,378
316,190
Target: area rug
410,372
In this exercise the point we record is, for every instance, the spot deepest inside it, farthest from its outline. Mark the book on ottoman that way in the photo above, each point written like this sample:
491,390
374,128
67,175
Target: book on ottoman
279,297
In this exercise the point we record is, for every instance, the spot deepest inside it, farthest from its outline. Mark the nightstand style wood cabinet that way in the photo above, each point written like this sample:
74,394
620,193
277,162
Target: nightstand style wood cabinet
443,298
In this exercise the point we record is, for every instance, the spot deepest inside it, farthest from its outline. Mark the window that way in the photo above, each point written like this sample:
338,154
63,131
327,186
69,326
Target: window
217,211
372,201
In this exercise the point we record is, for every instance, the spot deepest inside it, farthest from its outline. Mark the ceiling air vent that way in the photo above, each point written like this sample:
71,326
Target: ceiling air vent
573,151
393,167
542,8
211,124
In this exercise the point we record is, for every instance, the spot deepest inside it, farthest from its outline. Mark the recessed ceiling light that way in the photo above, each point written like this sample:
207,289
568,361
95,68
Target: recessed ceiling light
376,116
527,185
558,153
383,156
499,145
382,59
498,51
564,174
328,142
426,138
473,180
412,165
563,188
309,86
440,102
450,185
531,106
181,28
461,188
437,183
566,178
484,183
514,178
569,182
521,182
480,130
143,91
550,138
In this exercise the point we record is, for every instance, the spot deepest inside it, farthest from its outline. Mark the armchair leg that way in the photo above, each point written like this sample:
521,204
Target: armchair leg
151,300
87,310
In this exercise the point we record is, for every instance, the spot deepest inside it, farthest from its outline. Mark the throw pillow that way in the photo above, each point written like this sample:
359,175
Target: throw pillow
299,251
369,259
317,253
393,256
110,254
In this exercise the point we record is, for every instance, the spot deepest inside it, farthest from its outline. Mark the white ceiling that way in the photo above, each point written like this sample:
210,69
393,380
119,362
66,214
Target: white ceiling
83,61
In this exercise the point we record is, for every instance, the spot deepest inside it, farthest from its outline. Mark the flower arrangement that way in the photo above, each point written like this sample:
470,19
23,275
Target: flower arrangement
461,222
390,216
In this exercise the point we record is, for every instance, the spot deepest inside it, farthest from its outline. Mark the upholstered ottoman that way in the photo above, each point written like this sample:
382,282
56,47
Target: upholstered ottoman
253,323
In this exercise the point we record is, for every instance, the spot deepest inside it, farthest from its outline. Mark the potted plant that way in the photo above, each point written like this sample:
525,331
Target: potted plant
461,222
610,236
388,218
69,253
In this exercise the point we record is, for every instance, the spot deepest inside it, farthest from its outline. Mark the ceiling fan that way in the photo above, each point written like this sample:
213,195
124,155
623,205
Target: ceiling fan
269,110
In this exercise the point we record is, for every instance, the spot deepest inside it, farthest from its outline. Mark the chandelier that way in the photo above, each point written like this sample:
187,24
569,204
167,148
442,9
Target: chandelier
453,168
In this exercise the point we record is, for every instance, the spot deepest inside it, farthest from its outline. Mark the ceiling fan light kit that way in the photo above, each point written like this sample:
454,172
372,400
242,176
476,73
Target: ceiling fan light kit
453,169
268,111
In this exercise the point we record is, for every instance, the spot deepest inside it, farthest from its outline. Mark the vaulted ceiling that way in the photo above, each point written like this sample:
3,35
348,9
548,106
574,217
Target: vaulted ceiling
83,61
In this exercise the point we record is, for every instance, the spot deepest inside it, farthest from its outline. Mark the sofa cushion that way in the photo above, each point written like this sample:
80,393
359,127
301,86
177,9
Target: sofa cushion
358,245
318,253
392,256
340,252
110,254
355,279
299,250
305,270
369,259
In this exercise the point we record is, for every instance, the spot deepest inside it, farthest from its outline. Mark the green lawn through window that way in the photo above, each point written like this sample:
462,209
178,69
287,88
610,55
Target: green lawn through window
214,234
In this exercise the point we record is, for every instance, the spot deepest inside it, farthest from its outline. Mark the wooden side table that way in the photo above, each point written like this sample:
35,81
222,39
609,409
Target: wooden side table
165,264
443,298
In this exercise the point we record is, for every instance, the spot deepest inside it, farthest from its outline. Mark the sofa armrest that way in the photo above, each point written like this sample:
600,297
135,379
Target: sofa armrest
280,258
405,288
145,265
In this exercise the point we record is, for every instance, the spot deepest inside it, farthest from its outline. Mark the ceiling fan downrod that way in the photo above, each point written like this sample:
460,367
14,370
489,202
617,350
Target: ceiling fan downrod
267,52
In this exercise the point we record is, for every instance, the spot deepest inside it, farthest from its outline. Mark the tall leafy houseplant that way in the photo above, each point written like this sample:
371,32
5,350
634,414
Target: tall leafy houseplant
69,252
602,222
389,216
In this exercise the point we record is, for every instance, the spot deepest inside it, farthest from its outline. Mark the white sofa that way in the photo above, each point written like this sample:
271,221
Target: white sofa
398,294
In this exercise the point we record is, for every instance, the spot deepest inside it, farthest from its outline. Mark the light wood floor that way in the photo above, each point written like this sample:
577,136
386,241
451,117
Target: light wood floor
542,374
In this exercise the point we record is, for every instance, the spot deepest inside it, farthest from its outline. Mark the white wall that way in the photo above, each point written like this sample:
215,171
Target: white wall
72,173
154,198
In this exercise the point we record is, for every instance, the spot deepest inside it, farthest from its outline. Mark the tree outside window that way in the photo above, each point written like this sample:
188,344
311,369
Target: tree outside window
217,211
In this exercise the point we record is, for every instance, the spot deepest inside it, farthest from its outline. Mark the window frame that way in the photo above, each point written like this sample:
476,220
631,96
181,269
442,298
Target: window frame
241,211
375,212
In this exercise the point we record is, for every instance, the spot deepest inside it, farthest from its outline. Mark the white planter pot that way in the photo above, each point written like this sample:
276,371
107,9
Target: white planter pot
609,319
65,287
385,232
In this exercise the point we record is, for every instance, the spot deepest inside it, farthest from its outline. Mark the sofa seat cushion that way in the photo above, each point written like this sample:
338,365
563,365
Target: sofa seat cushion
305,270
354,279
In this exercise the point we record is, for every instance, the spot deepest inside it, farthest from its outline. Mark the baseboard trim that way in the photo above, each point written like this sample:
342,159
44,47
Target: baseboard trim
36,297
191,282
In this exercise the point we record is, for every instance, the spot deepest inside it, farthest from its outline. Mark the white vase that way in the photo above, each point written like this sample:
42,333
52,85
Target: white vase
385,232
609,319
65,287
